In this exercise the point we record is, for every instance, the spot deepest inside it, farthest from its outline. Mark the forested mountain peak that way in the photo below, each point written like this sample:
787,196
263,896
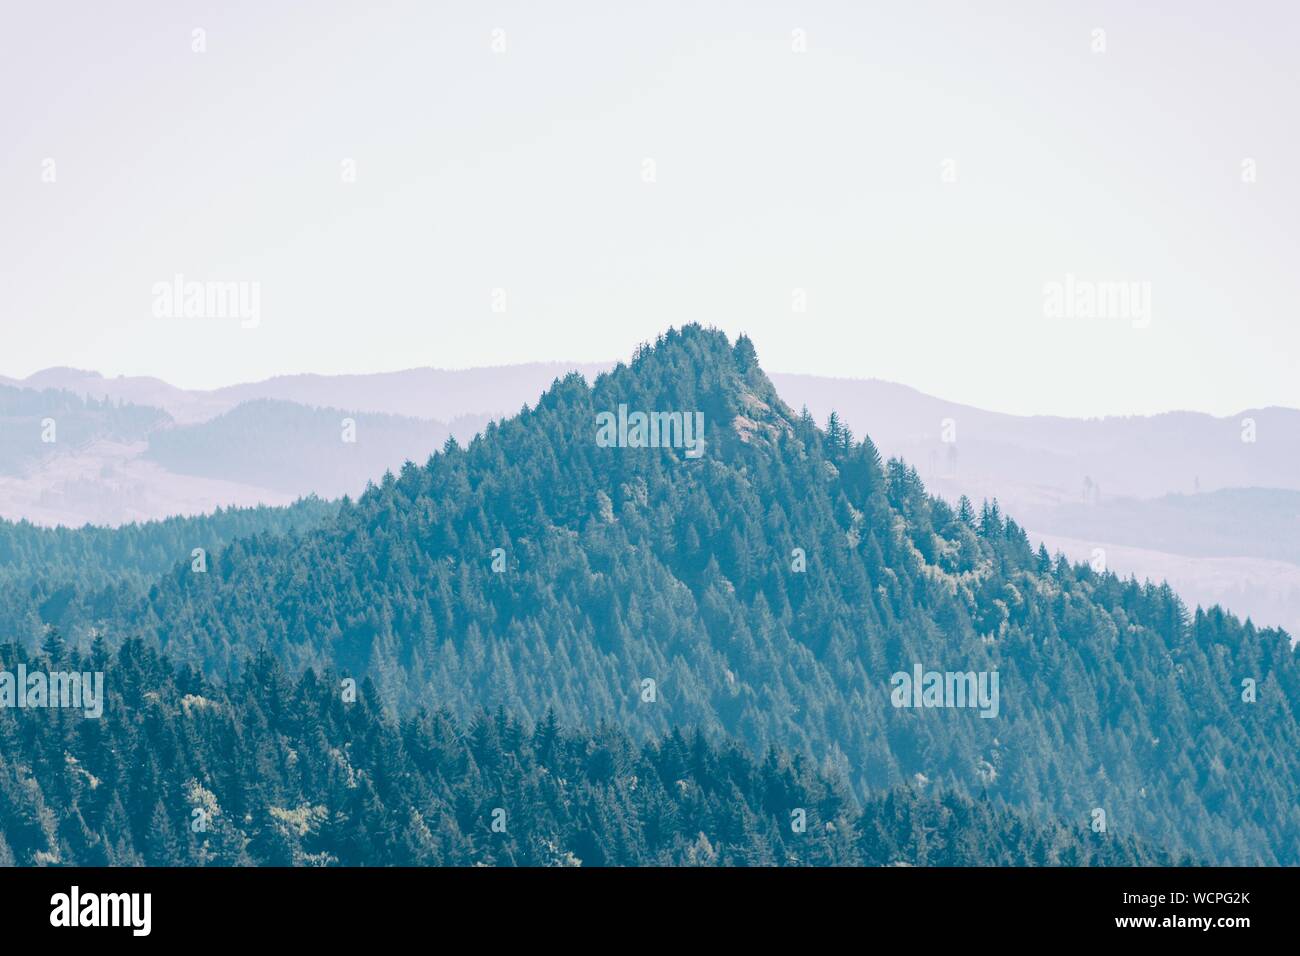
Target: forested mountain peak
694,369
785,586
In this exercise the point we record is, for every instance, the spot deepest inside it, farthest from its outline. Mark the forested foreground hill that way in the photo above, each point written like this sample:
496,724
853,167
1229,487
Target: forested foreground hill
275,771
769,589
67,576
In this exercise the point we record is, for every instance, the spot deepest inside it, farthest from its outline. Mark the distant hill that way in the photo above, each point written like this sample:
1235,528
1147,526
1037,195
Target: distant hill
1062,459
70,460
289,447
444,394
36,426
423,393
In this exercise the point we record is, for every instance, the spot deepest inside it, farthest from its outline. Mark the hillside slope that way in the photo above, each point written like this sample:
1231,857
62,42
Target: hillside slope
224,776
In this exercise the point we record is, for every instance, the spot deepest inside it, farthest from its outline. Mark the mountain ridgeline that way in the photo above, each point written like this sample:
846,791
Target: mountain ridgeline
287,447
35,423
767,590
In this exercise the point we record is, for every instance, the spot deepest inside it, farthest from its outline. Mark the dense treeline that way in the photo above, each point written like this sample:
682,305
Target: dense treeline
59,576
283,772
623,565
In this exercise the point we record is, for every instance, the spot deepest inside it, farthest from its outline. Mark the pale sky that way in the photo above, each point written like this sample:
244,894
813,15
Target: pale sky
775,170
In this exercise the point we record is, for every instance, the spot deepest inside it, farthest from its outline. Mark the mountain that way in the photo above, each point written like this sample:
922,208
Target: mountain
35,426
1042,458
446,394
769,589
1064,479
181,405
71,460
291,448
420,393
278,772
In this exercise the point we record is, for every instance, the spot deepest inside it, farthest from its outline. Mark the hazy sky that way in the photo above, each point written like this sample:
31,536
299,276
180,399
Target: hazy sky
775,171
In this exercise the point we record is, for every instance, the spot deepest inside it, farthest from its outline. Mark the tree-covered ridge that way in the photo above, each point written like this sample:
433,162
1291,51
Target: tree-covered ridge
62,576
626,564
33,424
286,446
275,771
